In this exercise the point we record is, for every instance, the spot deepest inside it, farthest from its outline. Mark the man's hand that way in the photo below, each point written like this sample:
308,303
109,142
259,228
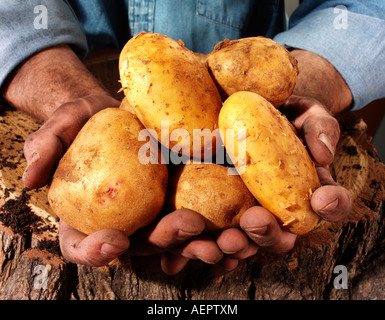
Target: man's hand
320,93
178,232
178,236
320,132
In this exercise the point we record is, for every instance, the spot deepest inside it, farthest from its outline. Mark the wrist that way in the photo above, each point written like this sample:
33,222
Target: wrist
319,79
49,79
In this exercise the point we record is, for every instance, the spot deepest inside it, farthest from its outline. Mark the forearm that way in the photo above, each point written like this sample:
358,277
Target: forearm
318,79
47,80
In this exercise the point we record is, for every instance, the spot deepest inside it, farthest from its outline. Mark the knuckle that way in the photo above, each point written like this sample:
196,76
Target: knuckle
31,139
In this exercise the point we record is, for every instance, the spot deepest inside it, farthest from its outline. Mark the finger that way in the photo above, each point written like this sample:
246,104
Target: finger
172,230
261,226
200,248
172,264
94,250
44,148
325,176
232,241
235,244
331,201
321,136
319,128
229,264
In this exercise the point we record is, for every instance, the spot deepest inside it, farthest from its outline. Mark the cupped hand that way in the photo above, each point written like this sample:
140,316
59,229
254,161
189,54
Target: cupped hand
320,132
258,229
179,236
44,148
179,232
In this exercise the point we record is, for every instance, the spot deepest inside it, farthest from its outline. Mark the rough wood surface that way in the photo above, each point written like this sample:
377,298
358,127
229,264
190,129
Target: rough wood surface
31,266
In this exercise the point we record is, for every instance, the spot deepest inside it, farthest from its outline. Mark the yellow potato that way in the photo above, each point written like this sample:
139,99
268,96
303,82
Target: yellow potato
212,190
255,64
171,92
100,181
274,163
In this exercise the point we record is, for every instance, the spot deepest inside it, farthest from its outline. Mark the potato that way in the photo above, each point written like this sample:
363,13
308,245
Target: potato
100,182
255,64
210,189
171,92
274,163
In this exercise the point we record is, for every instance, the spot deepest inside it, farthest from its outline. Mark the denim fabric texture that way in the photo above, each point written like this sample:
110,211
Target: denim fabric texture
356,49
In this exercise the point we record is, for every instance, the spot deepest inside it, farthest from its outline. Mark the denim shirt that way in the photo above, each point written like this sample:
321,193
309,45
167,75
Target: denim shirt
349,34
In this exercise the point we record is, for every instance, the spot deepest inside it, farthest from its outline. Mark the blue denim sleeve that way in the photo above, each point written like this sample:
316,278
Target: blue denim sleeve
27,27
350,35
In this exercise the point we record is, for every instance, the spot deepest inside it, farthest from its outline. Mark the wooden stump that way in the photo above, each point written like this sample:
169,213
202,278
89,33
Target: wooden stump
31,265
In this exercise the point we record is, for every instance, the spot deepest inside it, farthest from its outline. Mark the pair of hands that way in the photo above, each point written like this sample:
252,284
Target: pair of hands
179,236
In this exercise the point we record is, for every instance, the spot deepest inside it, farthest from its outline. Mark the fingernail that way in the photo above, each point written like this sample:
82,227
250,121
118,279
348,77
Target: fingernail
330,207
229,252
258,231
326,141
211,260
111,251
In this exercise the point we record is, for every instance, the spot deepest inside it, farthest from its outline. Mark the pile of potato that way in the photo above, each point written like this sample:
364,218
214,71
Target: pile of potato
114,174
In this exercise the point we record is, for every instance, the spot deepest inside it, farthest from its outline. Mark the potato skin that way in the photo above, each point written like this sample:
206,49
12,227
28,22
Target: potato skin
255,64
279,171
100,182
210,190
164,81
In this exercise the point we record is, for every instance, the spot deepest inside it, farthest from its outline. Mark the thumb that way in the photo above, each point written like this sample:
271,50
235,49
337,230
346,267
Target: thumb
42,151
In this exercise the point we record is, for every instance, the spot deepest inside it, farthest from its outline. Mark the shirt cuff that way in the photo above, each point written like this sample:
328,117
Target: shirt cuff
353,43
27,27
